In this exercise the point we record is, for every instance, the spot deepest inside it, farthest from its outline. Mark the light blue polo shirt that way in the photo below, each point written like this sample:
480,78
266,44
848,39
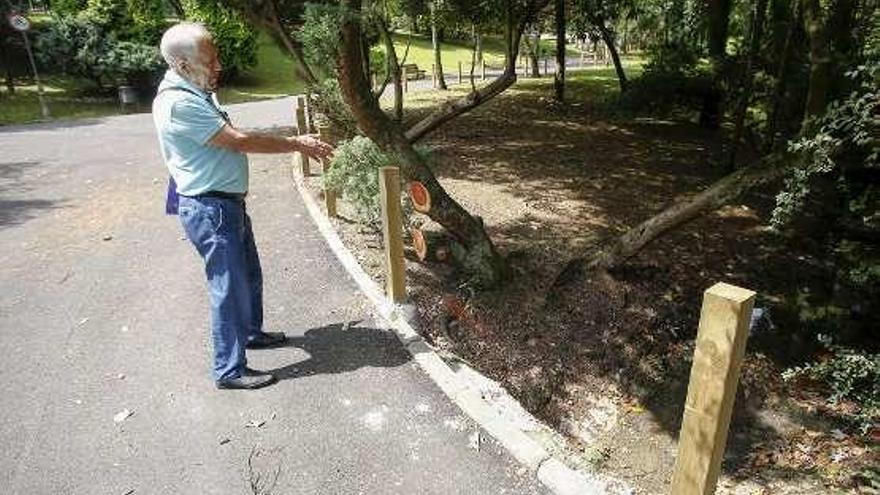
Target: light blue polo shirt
185,123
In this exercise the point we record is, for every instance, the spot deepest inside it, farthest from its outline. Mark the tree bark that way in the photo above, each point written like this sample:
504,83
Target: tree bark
718,194
608,39
534,53
394,71
785,51
718,23
481,258
435,45
820,59
757,32
7,64
559,76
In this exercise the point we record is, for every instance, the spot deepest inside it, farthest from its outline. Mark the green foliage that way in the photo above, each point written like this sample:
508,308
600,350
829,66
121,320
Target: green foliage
82,47
235,38
68,7
354,171
332,110
319,36
140,21
850,374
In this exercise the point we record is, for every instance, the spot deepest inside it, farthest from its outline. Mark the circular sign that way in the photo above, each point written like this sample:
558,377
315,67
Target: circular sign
19,22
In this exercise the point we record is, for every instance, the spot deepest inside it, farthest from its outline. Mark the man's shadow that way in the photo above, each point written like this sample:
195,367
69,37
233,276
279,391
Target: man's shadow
343,347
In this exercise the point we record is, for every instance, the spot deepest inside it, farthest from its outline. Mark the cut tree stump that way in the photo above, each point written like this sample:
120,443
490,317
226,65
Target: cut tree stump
420,197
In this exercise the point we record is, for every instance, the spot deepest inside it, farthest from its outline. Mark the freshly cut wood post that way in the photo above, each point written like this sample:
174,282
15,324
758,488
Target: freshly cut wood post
329,194
299,159
721,343
392,230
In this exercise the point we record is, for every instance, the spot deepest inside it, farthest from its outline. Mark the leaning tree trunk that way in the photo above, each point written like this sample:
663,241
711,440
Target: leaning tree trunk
480,256
559,75
608,39
614,253
435,45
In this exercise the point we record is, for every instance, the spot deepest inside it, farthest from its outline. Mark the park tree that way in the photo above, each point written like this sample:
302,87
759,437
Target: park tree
600,16
235,38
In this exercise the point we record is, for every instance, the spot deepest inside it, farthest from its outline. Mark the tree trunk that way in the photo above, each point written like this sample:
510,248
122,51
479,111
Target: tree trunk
820,59
393,70
718,22
435,44
534,54
782,77
480,256
7,64
757,32
608,39
559,76
723,191
478,45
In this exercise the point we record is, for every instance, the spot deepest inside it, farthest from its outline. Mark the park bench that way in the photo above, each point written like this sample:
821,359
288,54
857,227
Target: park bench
412,71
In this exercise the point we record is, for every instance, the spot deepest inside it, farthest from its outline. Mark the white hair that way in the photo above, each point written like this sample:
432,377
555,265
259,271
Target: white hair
181,42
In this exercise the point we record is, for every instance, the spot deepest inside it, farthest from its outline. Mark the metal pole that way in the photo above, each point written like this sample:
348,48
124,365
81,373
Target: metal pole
27,46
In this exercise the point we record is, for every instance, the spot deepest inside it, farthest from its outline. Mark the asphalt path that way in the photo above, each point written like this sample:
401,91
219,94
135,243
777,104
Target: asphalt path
104,312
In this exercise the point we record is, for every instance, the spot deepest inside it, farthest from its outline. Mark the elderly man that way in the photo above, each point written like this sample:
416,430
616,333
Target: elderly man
205,156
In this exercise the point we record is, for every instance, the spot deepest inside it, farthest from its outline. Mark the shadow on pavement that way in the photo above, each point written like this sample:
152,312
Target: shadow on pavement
52,125
340,348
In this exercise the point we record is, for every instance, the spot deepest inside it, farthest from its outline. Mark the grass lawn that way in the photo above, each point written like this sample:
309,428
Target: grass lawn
272,77
455,51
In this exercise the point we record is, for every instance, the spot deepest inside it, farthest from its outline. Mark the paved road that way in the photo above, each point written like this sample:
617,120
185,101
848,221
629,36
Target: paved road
103,308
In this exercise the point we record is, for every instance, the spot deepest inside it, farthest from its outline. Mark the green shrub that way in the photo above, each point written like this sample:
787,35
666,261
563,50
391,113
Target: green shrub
354,171
67,7
850,374
138,21
235,38
82,47
319,36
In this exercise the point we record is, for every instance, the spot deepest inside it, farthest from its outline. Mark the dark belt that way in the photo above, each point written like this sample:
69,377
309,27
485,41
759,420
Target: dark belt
220,195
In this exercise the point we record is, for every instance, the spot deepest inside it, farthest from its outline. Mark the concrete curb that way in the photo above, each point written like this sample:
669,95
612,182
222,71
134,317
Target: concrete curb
465,393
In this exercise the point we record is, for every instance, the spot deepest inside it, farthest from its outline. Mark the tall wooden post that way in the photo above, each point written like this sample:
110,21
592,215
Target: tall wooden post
459,72
434,76
300,159
482,70
721,343
545,67
329,194
392,230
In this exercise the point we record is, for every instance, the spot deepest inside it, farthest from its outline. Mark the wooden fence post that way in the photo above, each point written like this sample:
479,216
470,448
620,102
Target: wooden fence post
392,230
720,346
545,67
459,72
483,70
405,81
329,194
434,76
301,128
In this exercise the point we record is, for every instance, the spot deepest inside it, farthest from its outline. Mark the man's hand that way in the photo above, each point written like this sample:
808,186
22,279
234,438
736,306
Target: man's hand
311,146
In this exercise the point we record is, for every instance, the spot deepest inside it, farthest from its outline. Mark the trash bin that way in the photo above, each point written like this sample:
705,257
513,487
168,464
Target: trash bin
127,96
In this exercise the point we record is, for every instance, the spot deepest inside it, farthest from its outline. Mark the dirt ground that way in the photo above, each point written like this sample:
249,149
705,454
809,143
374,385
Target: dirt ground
605,358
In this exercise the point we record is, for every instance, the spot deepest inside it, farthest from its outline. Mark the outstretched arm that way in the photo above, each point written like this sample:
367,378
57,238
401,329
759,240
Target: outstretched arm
231,138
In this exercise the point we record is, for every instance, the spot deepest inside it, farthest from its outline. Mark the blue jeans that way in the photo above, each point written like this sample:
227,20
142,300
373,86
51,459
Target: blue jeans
220,230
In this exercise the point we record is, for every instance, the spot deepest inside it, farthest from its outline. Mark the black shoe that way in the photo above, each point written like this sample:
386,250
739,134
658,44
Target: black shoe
264,340
248,381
